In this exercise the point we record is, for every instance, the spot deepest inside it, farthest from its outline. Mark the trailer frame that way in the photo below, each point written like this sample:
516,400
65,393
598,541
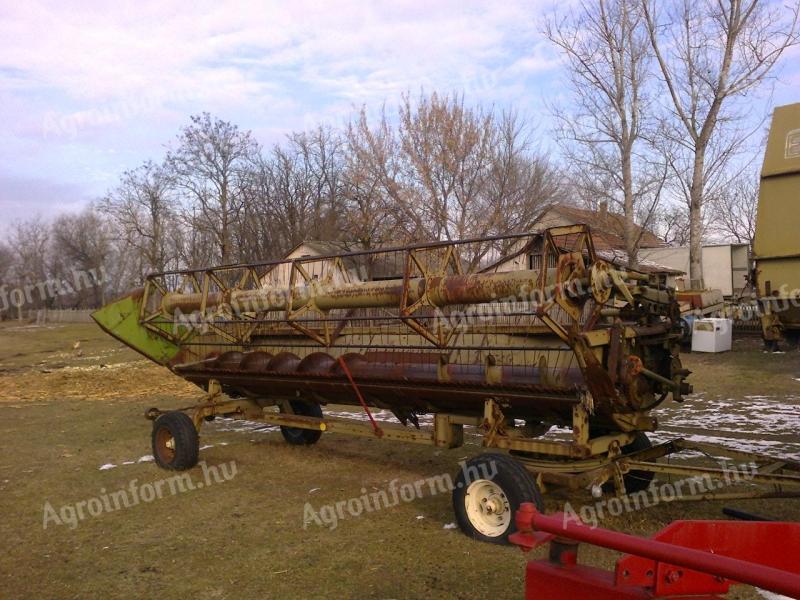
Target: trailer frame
581,463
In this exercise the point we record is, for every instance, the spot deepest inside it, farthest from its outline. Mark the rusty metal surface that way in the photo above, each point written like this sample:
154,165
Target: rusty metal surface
424,385
476,288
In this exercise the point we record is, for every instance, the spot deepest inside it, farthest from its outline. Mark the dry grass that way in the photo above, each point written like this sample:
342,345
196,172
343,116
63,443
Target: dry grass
63,416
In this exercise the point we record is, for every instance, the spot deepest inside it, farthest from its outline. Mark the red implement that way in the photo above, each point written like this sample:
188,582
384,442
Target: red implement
687,559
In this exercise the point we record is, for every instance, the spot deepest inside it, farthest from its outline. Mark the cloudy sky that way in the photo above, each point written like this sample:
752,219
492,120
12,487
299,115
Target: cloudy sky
89,89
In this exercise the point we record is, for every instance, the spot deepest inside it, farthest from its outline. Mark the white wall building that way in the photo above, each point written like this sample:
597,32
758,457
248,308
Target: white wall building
725,266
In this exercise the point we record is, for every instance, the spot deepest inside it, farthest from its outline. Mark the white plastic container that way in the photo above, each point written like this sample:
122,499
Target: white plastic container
712,335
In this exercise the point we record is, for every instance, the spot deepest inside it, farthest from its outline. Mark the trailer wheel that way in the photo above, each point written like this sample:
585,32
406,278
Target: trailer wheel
489,489
176,444
303,437
635,481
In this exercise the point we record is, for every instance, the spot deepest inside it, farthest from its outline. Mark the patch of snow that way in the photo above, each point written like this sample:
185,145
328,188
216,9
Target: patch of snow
450,526
206,447
752,423
771,595
312,490
146,458
420,517
108,466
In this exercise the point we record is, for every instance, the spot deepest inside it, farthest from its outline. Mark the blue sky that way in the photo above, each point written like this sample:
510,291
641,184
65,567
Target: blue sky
90,89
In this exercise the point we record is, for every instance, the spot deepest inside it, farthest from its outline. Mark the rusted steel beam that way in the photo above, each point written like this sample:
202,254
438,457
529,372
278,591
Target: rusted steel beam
475,288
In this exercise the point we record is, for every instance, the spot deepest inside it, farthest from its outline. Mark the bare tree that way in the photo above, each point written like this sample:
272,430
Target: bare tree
522,182
447,151
711,53
6,266
605,131
210,166
442,170
322,150
6,261
295,190
29,243
81,245
374,161
370,220
449,171
733,209
259,234
672,225
143,209
196,240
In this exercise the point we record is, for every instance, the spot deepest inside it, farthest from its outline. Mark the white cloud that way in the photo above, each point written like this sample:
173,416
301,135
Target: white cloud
89,89
216,52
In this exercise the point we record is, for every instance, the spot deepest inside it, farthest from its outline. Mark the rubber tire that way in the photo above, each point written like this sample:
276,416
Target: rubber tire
187,442
303,437
635,481
514,479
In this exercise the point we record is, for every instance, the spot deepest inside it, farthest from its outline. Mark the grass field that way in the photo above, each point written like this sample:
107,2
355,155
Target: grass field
68,411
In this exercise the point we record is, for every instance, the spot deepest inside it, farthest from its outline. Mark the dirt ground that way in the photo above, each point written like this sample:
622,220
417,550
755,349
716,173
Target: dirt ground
72,430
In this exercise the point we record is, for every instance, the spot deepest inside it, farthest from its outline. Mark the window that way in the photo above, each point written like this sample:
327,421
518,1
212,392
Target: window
793,144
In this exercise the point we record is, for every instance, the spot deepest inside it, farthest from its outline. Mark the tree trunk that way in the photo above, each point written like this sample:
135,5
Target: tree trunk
630,233
696,222
223,202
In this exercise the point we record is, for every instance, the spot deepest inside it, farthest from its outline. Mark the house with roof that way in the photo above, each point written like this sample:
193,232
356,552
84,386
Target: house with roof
725,266
608,228
279,275
607,234
355,262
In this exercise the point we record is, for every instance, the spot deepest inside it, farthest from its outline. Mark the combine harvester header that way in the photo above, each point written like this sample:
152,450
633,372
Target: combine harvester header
545,333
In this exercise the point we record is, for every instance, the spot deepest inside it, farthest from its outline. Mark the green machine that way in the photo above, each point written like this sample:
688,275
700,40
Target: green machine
777,244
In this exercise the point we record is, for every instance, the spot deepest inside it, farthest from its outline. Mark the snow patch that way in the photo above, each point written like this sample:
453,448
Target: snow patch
752,423
771,595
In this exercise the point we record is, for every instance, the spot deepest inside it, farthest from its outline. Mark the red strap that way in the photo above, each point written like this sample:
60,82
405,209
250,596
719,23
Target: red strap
375,427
